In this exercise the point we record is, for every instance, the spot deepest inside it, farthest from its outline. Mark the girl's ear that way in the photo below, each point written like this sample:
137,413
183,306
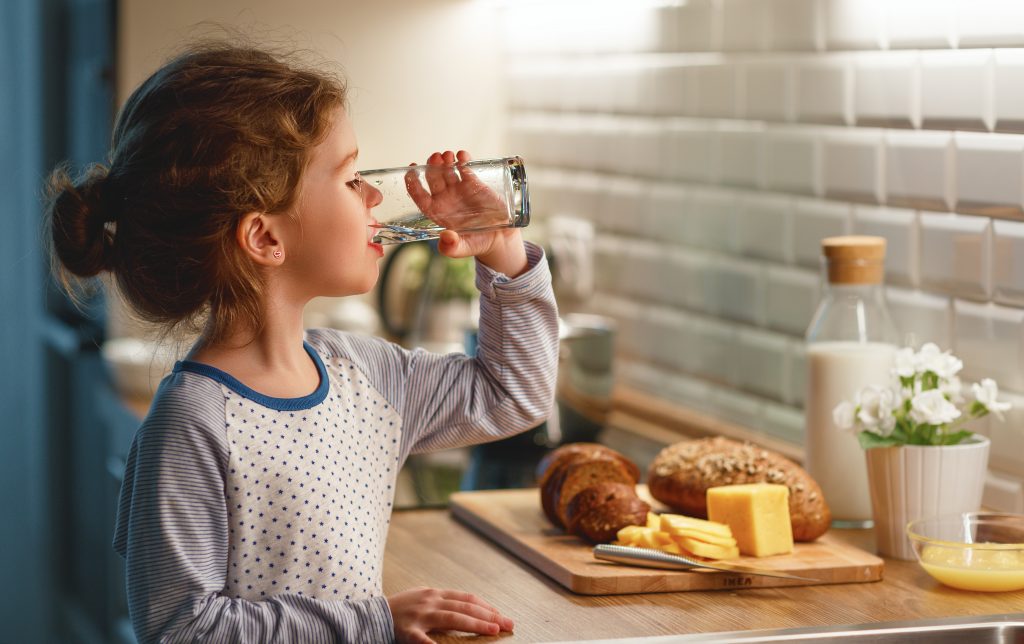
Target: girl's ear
258,239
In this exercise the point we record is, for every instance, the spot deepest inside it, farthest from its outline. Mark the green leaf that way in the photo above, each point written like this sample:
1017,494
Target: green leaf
956,437
900,434
871,439
930,380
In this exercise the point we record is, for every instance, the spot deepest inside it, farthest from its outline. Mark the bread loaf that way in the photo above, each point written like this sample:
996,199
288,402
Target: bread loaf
577,451
681,474
597,483
555,463
598,512
578,476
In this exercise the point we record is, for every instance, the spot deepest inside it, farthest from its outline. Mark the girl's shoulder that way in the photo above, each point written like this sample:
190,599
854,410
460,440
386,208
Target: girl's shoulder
355,347
185,402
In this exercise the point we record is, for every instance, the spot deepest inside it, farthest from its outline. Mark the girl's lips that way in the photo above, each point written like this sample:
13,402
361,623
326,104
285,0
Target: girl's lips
377,247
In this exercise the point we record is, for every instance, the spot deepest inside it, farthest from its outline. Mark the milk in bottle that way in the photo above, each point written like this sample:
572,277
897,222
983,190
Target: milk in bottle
851,343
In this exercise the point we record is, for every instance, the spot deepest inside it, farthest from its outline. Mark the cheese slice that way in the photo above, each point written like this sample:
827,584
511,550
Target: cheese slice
677,522
757,513
707,550
708,537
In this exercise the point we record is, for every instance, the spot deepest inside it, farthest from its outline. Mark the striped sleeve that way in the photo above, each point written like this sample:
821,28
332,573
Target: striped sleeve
508,387
172,530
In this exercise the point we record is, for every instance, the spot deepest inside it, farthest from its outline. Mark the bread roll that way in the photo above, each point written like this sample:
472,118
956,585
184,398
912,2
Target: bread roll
598,512
681,474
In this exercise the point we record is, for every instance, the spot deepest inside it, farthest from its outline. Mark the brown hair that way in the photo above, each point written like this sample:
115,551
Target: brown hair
217,132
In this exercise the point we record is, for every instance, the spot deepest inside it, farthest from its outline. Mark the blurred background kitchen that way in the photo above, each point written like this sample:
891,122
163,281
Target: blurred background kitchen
685,159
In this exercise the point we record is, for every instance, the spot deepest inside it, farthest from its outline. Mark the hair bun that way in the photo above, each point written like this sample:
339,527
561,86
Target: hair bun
79,214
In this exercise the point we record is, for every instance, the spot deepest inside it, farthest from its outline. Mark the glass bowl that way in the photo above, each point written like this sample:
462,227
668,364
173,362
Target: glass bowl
973,550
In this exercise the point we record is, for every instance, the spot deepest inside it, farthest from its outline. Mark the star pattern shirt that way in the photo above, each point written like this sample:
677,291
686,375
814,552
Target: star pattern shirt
245,517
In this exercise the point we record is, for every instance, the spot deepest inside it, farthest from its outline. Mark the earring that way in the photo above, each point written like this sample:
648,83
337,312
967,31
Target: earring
278,254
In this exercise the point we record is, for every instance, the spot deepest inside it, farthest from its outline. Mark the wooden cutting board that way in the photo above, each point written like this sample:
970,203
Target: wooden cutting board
514,519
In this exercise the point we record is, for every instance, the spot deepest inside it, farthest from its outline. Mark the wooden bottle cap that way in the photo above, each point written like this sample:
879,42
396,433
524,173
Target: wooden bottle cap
854,259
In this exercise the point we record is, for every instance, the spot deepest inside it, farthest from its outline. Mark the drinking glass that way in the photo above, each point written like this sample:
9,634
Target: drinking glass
417,202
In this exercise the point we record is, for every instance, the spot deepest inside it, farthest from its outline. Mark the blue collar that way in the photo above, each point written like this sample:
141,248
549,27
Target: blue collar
279,404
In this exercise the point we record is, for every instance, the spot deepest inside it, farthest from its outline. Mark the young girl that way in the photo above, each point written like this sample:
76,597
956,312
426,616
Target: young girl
258,490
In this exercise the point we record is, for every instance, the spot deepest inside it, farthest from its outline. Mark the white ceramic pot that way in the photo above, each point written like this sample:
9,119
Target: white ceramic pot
916,481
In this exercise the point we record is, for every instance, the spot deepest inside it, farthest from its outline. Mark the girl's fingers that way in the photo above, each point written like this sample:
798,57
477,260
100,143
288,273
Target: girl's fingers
415,188
451,245
451,177
455,245
469,598
444,620
464,157
434,173
470,609
477,611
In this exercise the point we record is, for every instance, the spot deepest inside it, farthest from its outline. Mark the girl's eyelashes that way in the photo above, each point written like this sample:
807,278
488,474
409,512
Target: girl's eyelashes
356,184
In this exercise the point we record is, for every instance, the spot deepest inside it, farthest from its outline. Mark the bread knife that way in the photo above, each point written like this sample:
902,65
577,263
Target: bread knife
650,558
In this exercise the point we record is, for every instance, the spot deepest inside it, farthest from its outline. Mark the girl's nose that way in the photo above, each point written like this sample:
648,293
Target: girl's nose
372,196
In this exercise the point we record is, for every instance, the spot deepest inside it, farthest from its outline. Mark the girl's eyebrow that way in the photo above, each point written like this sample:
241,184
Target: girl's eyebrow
348,159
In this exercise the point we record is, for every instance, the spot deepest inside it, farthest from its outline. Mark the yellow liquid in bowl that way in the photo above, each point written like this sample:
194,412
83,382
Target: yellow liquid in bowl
975,569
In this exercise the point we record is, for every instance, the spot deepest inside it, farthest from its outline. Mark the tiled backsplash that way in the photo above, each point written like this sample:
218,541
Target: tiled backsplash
713,143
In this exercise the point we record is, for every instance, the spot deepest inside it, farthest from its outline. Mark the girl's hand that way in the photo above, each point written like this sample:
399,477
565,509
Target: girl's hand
418,611
454,197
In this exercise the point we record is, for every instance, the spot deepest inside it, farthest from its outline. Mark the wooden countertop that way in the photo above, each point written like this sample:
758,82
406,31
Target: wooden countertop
430,548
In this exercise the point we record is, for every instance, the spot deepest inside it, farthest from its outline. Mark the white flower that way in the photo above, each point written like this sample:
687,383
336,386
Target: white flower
905,363
952,388
907,393
931,408
875,405
942,364
844,415
986,393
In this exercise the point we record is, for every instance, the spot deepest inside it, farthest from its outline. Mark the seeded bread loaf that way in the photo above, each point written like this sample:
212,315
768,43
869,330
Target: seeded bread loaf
600,511
681,474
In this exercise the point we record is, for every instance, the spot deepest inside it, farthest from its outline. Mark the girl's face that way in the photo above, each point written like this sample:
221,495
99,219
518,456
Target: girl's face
329,250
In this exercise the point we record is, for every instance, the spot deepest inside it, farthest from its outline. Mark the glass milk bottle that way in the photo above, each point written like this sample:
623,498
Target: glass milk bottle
851,343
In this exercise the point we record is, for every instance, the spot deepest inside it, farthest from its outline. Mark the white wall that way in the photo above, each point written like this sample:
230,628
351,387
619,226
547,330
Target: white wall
424,75
713,143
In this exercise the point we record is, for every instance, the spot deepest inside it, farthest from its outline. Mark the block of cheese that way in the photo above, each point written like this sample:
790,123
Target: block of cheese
757,513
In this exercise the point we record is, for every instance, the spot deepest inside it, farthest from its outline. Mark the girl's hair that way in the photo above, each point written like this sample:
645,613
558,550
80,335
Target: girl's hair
219,131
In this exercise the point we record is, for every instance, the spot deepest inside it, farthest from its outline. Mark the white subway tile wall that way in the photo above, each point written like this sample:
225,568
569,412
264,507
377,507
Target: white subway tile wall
922,317
919,169
886,89
956,89
824,90
1008,262
899,228
714,143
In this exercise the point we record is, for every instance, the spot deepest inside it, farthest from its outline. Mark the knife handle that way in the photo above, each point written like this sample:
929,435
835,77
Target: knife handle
647,557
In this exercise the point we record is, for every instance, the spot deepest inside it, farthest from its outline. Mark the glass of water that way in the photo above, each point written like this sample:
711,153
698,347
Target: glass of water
417,202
